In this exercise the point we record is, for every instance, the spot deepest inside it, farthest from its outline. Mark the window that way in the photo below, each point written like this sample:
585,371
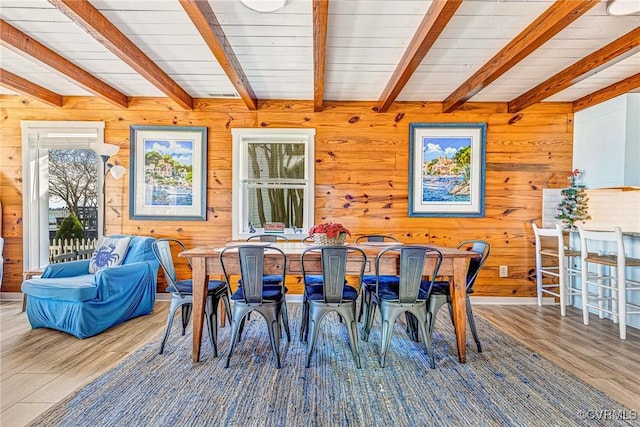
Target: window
273,187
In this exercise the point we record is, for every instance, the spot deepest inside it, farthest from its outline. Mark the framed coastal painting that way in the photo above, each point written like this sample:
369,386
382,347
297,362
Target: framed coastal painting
168,173
447,169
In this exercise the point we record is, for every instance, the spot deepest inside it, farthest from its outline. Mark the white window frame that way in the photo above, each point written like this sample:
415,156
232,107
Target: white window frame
35,185
241,137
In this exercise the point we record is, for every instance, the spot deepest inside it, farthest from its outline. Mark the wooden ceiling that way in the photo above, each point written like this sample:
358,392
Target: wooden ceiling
521,52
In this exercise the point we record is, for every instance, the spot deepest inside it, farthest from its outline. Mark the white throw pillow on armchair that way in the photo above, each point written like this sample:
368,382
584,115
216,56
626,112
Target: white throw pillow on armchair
109,252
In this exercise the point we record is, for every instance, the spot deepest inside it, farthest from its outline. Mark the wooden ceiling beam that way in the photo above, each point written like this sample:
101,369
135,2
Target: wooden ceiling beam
320,23
434,22
100,28
607,93
16,40
551,22
617,50
25,87
211,31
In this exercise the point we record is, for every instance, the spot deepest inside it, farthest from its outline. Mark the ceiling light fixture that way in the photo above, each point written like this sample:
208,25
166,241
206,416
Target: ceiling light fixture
264,6
623,7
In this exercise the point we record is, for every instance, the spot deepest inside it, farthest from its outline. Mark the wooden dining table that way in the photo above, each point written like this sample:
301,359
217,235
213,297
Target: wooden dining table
205,263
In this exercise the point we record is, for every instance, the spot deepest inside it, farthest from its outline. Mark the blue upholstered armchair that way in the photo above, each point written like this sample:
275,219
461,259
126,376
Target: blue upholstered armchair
69,298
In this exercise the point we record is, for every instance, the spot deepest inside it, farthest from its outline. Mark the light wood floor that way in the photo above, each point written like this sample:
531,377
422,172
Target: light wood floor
38,368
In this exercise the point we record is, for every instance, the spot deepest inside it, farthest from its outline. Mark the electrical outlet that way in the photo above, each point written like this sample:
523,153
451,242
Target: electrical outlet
504,271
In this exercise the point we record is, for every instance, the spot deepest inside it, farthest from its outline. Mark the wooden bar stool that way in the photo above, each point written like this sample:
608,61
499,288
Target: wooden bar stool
611,279
554,259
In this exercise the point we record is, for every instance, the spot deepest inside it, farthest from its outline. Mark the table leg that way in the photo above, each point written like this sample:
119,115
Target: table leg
458,302
200,281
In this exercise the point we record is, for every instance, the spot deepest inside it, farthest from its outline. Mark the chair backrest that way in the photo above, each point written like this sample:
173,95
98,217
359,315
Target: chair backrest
375,238
164,250
251,260
412,261
611,242
475,264
268,238
333,261
549,243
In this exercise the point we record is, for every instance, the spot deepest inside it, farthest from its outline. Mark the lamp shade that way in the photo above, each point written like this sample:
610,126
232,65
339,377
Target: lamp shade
107,150
117,171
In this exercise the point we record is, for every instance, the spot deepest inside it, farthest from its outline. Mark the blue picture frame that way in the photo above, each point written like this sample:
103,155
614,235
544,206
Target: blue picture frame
447,169
168,179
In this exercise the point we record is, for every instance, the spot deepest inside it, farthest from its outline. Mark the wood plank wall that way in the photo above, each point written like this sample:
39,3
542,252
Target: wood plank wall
361,172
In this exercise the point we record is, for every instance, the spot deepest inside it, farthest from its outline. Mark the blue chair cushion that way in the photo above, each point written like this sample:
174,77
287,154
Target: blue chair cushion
442,288
390,291
76,288
348,294
268,293
186,286
313,279
273,279
371,280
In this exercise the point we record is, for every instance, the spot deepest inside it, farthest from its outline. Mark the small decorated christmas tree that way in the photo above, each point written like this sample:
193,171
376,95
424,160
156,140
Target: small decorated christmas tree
573,206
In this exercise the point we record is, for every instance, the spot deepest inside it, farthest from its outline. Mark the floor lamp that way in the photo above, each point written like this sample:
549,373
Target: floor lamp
105,151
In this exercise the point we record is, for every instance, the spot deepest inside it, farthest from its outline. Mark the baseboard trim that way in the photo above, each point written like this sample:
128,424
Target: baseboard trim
511,300
10,296
488,300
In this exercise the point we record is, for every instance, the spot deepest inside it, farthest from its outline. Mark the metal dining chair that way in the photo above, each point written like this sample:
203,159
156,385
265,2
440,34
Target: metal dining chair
441,293
411,295
333,294
182,292
369,280
274,280
254,294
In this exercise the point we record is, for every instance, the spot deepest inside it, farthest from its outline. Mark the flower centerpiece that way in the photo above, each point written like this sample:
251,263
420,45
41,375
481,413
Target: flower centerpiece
329,234
573,207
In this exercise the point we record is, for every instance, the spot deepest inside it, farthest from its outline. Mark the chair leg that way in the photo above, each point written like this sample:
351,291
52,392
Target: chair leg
349,319
364,306
239,313
388,316
362,303
412,326
175,304
227,306
304,321
621,285
472,325
585,293
186,315
435,302
316,314
370,315
285,319
425,319
211,313
273,324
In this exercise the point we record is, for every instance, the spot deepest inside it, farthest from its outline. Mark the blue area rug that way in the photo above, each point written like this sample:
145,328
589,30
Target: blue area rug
506,385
